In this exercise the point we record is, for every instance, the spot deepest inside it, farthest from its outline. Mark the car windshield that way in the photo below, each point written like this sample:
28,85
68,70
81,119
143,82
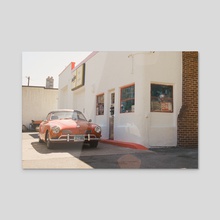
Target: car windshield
75,115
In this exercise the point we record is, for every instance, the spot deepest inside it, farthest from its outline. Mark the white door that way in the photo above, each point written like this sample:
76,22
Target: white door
111,114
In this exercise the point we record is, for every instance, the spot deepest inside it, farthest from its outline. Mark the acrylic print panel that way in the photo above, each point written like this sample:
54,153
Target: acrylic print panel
113,110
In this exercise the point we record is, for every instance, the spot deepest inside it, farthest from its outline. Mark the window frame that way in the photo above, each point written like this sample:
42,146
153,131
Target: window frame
172,99
97,104
127,99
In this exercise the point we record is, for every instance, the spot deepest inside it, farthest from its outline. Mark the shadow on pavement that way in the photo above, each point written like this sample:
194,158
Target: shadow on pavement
161,158
117,161
75,149
164,158
34,135
78,150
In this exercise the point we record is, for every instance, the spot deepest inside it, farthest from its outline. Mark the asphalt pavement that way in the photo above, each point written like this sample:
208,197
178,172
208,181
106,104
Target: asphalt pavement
35,155
159,158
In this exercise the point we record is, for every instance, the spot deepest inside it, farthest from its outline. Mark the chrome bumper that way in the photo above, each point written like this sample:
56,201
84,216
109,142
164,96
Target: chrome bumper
75,138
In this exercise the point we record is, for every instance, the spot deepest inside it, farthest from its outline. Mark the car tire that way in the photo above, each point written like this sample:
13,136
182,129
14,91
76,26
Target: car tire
48,143
93,144
40,141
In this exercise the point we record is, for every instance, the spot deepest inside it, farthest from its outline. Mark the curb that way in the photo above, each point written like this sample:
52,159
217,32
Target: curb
124,144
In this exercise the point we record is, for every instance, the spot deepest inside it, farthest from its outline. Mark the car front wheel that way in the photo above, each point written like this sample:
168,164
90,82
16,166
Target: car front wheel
48,142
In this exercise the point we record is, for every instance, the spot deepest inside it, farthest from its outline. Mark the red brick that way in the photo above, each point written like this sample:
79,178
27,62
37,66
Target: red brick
187,123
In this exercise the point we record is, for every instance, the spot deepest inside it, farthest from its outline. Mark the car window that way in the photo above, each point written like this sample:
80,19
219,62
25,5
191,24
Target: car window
48,117
81,116
61,115
54,117
74,116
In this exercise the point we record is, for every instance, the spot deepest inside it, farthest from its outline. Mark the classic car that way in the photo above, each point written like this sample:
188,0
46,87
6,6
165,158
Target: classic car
68,126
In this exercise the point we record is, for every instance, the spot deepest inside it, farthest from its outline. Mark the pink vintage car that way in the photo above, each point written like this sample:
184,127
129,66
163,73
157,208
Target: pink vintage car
68,126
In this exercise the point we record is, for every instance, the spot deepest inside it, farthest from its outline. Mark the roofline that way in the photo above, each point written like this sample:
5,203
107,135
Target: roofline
82,62
42,87
85,60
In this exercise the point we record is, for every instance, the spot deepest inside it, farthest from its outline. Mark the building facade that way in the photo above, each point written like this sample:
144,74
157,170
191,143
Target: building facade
134,96
37,101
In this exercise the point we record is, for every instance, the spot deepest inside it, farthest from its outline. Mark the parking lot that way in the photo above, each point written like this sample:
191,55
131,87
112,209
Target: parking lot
35,155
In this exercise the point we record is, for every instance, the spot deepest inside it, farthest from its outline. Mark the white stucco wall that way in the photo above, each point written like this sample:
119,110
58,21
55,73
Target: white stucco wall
37,102
65,97
109,71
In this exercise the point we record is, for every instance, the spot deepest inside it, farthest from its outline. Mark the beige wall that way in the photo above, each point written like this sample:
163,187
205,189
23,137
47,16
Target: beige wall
37,102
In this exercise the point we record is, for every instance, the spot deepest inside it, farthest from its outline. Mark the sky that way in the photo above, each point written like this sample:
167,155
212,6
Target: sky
39,65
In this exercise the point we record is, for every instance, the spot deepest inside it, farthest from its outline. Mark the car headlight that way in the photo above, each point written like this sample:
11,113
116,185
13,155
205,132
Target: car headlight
98,129
56,129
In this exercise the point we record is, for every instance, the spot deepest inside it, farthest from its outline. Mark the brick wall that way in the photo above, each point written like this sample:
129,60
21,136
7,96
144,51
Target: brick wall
187,123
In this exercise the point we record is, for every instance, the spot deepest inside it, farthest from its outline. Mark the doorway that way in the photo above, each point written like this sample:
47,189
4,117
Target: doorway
111,114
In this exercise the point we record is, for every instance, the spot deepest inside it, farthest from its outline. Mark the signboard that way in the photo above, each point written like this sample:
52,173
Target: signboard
166,106
78,79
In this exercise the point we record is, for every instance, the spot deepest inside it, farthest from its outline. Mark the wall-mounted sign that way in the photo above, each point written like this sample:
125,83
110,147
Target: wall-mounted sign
78,79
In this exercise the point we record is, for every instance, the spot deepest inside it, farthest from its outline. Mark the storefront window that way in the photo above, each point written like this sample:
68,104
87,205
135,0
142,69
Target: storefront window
127,99
161,98
100,104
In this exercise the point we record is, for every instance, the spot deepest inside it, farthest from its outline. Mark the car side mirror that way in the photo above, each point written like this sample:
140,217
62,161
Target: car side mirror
90,120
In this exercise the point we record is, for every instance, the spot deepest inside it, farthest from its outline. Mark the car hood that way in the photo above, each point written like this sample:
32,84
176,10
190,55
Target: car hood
69,123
